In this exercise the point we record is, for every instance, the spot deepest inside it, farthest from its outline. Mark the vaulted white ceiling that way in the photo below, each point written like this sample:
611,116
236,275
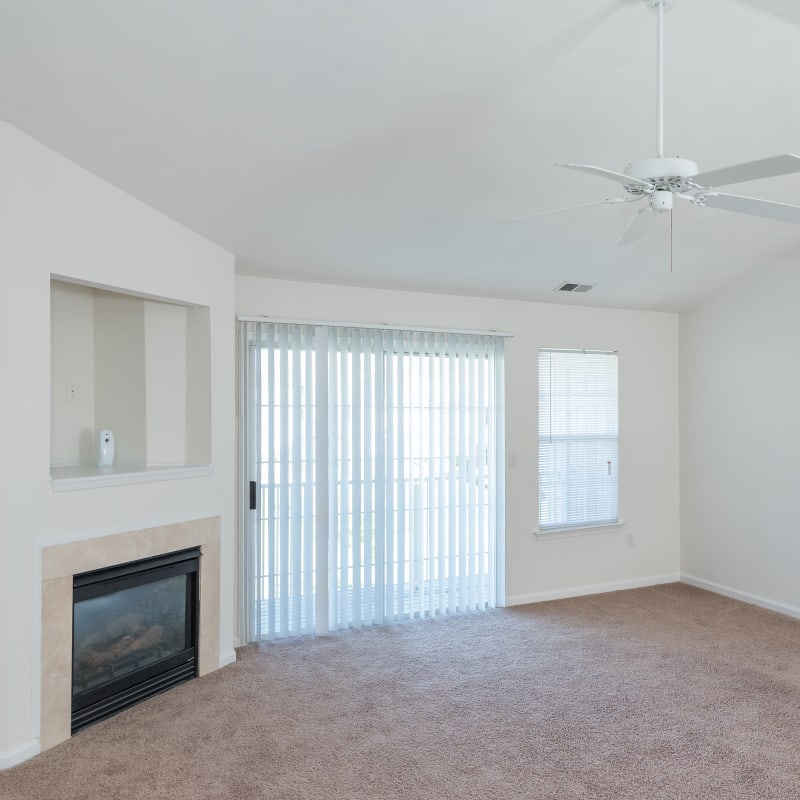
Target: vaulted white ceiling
387,144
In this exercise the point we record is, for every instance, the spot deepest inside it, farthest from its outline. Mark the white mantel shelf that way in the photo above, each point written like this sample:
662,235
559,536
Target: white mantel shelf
67,479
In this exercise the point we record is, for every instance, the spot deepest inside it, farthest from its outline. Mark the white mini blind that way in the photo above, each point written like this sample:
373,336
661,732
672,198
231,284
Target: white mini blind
379,470
578,438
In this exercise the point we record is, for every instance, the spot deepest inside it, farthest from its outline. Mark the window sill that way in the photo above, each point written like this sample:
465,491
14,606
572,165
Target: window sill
578,530
67,479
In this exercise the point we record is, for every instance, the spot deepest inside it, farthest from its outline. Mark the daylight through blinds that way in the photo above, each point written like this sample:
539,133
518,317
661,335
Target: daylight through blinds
578,429
377,473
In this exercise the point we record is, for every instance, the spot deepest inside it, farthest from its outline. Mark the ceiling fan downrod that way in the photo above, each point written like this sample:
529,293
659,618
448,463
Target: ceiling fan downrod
660,6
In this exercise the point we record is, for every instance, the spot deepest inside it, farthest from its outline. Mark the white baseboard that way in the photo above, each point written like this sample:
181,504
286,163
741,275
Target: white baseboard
18,754
227,658
598,588
746,597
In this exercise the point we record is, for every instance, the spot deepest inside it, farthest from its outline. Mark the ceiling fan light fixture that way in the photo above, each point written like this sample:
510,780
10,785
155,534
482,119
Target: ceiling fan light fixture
661,200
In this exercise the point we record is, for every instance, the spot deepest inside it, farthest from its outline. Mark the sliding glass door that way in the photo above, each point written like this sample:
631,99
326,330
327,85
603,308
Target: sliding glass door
374,467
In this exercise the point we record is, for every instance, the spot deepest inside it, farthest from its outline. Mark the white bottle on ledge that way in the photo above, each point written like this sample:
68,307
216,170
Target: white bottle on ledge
105,448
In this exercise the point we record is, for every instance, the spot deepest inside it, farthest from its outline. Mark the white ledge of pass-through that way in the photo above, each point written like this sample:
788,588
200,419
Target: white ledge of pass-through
67,479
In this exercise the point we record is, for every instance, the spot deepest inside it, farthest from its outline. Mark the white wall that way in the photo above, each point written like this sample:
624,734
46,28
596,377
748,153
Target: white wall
648,346
6,424
72,368
740,437
165,382
120,398
58,219
198,386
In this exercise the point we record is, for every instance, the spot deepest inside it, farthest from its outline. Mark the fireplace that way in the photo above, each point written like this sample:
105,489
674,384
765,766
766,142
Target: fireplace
134,633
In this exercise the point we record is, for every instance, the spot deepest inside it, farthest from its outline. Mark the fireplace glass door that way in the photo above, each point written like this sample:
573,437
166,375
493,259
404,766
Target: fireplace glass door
134,633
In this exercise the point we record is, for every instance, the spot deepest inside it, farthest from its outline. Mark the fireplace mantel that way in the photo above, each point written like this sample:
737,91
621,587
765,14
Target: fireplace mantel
60,562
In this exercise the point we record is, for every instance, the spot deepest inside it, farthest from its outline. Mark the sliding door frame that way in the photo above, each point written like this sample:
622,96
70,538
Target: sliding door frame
325,508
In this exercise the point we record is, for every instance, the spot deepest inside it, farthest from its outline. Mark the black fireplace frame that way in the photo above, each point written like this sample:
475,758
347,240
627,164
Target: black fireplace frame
92,705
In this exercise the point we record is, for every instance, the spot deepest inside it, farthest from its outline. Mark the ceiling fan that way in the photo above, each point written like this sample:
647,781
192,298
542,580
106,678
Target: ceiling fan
659,180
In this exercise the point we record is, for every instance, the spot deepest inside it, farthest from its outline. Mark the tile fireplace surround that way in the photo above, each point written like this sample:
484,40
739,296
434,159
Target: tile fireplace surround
60,562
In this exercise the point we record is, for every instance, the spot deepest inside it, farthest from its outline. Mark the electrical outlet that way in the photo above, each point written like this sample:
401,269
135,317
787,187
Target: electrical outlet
629,541
72,392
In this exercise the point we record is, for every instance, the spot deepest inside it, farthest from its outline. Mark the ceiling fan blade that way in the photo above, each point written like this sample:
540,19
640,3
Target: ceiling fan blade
639,226
782,212
783,9
607,201
619,177
749,171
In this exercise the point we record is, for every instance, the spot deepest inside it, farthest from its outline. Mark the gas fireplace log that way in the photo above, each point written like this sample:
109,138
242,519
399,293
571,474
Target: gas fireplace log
125,646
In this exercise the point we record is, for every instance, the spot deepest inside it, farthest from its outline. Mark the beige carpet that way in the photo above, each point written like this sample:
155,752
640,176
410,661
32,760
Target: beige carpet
667,692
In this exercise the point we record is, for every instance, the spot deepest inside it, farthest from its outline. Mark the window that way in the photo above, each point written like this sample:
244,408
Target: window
578,431
375,456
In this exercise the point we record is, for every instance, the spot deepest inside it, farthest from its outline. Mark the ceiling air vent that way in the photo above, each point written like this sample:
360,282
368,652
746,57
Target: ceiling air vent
568,286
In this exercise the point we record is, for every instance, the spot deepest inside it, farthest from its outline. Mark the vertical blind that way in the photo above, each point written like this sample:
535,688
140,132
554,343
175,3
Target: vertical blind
377,457
578,431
